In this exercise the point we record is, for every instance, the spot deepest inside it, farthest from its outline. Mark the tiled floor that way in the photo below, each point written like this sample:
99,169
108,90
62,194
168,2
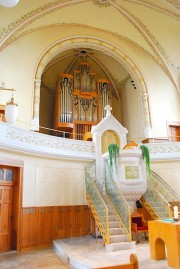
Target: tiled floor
84,252
39,258
80,253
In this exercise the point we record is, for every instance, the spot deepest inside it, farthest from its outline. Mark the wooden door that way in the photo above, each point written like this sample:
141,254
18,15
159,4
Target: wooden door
174,133
6,214
6,193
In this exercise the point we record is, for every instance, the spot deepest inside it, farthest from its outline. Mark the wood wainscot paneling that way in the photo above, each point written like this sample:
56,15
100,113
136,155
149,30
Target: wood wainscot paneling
29,226
69,230
40,226
60,222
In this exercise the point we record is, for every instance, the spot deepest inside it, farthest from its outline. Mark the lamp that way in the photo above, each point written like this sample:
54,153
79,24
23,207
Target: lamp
8,3
11,108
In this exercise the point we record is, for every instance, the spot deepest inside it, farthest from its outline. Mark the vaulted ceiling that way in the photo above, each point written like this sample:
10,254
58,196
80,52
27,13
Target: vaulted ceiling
137,27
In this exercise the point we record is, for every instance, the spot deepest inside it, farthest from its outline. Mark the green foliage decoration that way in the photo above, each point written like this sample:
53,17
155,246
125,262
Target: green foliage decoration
113,151
145,154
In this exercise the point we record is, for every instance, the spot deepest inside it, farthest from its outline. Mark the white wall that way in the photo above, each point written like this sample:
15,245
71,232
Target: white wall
50,181
169,171
131,118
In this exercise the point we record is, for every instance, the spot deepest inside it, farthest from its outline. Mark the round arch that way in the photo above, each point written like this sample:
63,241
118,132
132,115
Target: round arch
108,48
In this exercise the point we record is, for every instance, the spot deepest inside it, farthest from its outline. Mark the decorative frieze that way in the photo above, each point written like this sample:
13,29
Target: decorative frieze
40,143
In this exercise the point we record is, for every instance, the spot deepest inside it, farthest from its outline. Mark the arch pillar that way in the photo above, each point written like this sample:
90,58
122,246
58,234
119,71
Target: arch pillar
148,132
36,102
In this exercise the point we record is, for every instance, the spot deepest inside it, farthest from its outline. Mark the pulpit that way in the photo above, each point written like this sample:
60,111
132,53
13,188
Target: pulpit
165,233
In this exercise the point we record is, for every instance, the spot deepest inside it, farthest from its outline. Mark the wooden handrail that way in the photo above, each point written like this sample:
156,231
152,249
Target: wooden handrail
132,265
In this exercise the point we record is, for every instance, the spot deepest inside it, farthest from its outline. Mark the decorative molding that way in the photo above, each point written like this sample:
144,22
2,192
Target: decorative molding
11,162
158,8
150,39
169,147
174,3
27,210
101,3
31,16
28,141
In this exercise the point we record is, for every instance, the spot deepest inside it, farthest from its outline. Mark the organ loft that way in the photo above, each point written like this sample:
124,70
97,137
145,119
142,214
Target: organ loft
79,102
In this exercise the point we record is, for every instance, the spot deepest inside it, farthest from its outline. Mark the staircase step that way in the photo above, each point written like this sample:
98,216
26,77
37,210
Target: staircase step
116,231
113,218
118,238
114,224
121,245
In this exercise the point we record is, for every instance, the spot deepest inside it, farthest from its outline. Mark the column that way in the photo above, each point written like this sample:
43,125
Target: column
148,132
36,102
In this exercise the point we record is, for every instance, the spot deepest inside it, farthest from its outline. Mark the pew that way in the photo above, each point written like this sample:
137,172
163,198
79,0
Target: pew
132,265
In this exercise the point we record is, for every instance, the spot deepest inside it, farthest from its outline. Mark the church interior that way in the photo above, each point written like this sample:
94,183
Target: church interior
90,134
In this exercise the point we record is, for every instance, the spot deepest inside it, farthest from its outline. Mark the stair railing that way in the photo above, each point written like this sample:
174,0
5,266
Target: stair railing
163,192
96,203
117,199
162,187
147,202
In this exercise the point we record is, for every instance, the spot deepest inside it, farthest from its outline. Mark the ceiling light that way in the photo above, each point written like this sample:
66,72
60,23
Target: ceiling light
11,108
8,3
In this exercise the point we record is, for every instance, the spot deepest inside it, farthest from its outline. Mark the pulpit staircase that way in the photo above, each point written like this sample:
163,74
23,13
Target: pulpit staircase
159,198
110,210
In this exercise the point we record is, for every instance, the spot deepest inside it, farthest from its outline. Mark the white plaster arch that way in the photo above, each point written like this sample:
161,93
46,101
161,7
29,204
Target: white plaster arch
107,48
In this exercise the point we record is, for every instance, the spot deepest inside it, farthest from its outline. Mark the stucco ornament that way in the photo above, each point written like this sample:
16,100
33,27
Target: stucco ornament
102,3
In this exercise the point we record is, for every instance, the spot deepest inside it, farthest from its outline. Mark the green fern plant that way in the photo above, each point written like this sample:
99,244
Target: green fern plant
145,155
113,151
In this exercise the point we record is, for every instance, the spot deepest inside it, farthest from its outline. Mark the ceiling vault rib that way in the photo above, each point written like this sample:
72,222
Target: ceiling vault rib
34,16
148,39
103,68
68,70
53,62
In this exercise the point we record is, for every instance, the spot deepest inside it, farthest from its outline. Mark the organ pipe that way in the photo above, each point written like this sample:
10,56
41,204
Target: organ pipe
80,101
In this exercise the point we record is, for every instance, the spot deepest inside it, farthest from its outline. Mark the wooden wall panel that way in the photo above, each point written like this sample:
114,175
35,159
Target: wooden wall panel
69,230
51,223
40,226
79,221
60,222
29,228
87,220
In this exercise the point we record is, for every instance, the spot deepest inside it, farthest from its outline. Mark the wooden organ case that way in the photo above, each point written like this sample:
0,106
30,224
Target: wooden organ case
79,103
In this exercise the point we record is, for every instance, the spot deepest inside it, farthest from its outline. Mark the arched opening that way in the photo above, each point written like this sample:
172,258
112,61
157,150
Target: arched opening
109,64
109,137
160,249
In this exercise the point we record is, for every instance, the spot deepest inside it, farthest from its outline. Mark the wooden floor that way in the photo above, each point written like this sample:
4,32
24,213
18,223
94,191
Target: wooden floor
34,259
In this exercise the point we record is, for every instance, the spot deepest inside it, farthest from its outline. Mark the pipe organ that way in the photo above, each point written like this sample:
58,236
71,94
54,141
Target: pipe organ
79,102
